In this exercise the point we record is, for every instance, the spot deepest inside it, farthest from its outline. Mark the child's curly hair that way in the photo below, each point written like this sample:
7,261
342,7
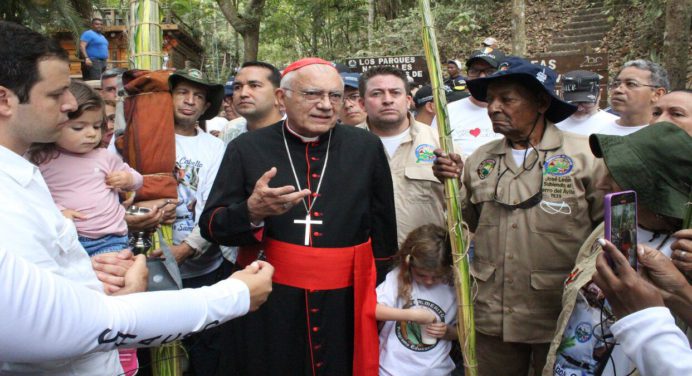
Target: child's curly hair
427,247
87,99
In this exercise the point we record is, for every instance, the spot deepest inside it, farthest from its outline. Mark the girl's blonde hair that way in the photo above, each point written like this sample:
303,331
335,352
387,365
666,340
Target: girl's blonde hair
87,99
428,248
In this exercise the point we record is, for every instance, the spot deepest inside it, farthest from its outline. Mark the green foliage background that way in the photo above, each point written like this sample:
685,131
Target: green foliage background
337,29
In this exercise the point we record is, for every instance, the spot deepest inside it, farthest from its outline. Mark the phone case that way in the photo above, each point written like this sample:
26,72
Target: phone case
608,216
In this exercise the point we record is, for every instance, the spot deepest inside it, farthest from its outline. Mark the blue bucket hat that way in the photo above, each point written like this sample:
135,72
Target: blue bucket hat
350,79
534,76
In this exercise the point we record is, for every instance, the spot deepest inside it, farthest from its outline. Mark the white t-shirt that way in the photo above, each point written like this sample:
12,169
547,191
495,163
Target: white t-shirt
614,129
197,161
401,349
233,129
587,125
32,228
216,124
391,143
520,154
470,124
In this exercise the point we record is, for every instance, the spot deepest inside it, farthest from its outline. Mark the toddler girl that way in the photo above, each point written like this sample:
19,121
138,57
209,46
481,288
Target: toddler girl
84,179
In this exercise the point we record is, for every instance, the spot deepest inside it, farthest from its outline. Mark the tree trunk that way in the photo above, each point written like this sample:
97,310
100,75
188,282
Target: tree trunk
371,22
518,28
251,44
316,25
246,24
676,38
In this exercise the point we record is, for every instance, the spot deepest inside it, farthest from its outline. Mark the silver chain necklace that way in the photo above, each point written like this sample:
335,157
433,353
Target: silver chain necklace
307,222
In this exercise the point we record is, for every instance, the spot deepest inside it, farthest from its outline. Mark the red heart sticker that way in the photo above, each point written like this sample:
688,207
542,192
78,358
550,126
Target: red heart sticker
475,132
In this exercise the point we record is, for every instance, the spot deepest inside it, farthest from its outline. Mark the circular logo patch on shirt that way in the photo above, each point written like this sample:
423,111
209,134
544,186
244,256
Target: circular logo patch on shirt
410,333
424,153
583,331
558,165
485,168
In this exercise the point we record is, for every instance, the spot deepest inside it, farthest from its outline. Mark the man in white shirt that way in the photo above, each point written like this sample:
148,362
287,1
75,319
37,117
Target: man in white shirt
636,88
198,156
34,103
468,118
581,88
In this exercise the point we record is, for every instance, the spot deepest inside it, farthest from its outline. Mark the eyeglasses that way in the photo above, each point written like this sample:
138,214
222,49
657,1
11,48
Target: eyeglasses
352,98
629,84
473,72
314,96
532,201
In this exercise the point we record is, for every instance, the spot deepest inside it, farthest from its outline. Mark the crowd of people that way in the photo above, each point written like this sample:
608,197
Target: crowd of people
308,218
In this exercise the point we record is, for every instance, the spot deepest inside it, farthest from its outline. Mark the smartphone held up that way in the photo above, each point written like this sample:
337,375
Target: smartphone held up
621,223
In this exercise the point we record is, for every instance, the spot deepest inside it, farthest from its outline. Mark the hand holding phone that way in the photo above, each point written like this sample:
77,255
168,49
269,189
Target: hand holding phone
621,223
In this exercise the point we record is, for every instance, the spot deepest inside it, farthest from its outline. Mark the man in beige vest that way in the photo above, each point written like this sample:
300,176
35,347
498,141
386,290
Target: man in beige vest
409,145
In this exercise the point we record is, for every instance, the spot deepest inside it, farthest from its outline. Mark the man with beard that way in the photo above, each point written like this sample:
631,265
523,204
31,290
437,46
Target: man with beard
531,200
323,215
581,88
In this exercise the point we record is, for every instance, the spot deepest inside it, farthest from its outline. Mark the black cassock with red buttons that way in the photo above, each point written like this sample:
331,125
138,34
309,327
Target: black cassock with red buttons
297,331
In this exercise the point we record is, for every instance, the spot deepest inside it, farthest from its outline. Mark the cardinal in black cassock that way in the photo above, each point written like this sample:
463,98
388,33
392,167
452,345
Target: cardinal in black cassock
325,247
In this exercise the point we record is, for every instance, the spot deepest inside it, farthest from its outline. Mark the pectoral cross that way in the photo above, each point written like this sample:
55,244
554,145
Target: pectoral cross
308,222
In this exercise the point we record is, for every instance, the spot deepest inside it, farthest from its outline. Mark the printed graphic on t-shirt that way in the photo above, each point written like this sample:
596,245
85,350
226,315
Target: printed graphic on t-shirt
410,333
187,175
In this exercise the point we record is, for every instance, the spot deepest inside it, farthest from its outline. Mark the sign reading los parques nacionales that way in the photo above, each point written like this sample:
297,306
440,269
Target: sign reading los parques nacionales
414,66
597,63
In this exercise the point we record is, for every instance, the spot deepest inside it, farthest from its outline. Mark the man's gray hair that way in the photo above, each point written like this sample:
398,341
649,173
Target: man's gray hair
659,76
287,79
113,72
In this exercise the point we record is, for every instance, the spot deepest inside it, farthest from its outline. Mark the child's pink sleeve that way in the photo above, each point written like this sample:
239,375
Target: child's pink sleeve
119,165
137,177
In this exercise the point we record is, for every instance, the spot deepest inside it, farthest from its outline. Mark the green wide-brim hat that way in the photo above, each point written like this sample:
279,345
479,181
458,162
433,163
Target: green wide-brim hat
214,91
655,162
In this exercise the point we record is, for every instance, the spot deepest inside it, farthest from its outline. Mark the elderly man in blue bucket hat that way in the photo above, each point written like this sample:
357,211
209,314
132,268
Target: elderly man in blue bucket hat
530,198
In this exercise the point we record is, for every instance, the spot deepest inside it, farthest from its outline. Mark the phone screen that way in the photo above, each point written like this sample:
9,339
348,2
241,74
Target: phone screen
621,223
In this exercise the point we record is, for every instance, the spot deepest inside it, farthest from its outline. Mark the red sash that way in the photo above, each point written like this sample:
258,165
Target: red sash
333,268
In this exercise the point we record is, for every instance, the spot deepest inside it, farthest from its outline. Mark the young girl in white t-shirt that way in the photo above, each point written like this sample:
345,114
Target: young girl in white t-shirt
418,305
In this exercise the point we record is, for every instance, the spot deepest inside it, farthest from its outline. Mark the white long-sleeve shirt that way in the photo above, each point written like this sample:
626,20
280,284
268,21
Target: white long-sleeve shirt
45,317
652,341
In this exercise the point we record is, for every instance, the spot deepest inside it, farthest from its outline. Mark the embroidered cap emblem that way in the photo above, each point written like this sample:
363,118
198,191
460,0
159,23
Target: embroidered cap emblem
558,165
195,73
424,153
541,76
485,168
